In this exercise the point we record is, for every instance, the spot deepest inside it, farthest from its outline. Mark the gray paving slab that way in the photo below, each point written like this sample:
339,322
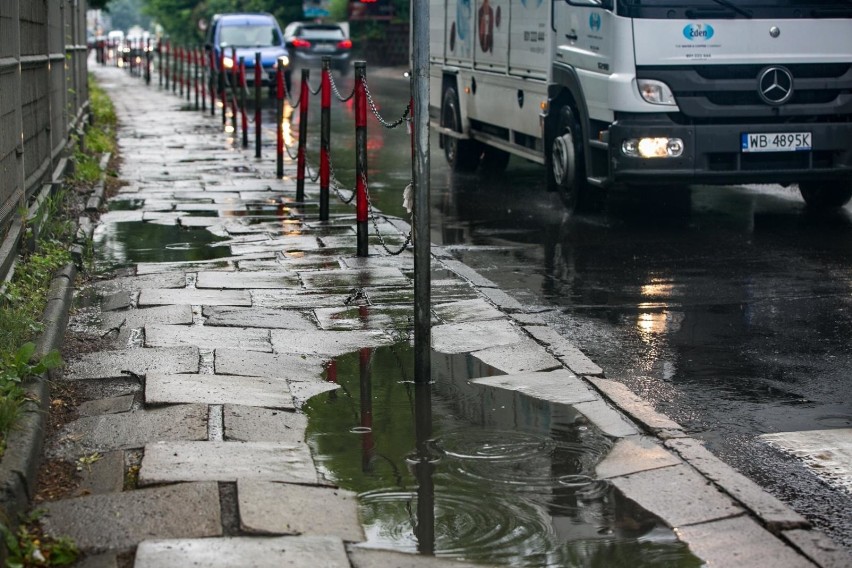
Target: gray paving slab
137,361
303,391
104,475
564,350
404,262
607,419
739,542
501,299
678,495
142,281
473,336
354,278
257,317
365,317
253,424
528,319
208,337
161,296
243,280
630,403
308,511
466,310
375,558
297,299
773,513
245,552
116,301
120,521
131,430
175,315
302,243
217,389
270,365
635,454
111,405
153,268
559,387
518,357
167,462
321,342
819,548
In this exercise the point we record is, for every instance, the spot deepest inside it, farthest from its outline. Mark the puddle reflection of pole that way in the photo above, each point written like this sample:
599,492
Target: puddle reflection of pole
367,445
424,468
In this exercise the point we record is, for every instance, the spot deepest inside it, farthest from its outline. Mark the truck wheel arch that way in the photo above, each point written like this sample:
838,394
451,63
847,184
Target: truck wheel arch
566,90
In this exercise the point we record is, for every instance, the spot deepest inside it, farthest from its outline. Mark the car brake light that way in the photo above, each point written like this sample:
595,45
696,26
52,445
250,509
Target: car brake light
301,43
345,44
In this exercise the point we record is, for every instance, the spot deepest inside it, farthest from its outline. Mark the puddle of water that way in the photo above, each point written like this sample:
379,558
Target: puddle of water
456,470
126,204
123,244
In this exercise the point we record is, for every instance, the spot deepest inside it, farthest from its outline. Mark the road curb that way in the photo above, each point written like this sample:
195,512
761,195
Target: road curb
20,463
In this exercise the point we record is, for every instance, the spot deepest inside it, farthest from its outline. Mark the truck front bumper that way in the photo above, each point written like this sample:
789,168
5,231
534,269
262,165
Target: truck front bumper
712,153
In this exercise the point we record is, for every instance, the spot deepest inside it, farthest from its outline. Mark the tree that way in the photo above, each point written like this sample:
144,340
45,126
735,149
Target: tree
128,13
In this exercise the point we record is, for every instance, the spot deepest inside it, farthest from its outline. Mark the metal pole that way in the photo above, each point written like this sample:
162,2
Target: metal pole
202,60
325,136
243,115
180,76
258,78
361,158
195,78
165,70
148,61
223,76
303,135
279,120
160,63
175,56
420,174
235,73
188,62
214,82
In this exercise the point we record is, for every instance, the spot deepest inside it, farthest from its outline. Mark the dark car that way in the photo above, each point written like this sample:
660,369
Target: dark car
242,35
309,43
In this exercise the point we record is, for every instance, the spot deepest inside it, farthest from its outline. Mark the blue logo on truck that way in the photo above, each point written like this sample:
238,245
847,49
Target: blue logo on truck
595,21
698,32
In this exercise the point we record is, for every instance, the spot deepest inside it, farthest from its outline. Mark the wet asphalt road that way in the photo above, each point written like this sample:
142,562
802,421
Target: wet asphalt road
729,309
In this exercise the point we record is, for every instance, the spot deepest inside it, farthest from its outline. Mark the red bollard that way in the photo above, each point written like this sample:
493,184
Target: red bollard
194,55
222,91
361,213
214,80
279,119
325,135
202,60
167,53
303,135
243,114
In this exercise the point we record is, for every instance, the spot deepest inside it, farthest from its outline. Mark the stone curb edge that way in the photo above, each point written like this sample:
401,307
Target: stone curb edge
20,463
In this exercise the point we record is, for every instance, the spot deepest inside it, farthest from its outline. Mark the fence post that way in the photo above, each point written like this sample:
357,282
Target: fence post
304,97
175,77
194,55
187,56
258,80
160,63
180,73
214,82
243,88
202,60
165,69
223,76
325,136
361,157
235,73
148,61
279,121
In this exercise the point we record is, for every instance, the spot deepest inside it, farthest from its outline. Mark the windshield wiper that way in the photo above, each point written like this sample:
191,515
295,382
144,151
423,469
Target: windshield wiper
727,4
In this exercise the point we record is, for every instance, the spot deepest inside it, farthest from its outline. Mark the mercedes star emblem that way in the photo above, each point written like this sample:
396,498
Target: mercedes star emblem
775,85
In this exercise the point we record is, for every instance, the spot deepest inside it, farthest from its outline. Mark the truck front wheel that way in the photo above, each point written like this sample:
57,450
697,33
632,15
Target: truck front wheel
566,160
462,155
824,195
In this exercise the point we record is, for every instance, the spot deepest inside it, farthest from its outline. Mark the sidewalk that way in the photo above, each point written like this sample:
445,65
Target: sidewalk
194,403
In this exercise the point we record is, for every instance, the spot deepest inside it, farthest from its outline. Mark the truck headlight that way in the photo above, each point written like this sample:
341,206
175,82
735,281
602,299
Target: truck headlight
652,148
656,92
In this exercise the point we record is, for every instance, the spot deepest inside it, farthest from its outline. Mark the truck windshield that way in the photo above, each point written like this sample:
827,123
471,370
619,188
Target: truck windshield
691,9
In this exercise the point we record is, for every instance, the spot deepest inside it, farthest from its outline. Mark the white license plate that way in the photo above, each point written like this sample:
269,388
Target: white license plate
776,141
324,47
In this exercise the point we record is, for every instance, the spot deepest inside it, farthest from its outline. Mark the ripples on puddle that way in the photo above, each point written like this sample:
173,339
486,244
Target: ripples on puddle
512,485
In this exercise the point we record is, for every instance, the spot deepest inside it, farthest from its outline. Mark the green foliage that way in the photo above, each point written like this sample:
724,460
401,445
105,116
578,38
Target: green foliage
128,13
27,547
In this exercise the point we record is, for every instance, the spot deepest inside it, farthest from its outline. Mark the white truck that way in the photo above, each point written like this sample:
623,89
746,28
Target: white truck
639,92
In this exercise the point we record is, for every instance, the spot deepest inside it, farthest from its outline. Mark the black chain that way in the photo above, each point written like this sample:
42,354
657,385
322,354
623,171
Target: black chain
376,223
382,121
340,97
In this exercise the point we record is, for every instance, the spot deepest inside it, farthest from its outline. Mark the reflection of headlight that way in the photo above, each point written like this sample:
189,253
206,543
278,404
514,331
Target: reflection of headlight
284,60
228,62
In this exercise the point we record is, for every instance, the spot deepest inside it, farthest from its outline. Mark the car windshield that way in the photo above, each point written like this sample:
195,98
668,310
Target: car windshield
260,35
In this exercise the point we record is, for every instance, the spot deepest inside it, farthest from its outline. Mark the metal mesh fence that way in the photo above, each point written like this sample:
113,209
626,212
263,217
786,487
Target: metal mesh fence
43,98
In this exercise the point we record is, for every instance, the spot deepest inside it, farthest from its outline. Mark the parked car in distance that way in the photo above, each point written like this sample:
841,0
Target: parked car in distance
310,42
231,36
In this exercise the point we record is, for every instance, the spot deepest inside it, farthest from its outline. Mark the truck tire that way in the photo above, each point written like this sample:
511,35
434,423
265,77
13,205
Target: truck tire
824,195
566,164
462,155
494,160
